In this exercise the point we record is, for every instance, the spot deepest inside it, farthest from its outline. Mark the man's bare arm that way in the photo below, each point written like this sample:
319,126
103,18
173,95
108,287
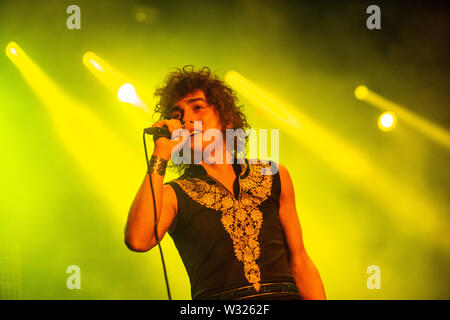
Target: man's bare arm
139,230
140,227
305,273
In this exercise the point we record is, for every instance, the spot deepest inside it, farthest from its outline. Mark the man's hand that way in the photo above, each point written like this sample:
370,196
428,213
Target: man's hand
164,146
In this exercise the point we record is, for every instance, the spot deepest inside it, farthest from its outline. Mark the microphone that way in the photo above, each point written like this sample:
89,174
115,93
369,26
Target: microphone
159,131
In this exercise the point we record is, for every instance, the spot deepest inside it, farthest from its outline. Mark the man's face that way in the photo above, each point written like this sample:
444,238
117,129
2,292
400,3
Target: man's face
194,107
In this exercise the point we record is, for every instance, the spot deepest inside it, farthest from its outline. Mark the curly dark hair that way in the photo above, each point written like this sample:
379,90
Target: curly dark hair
186,80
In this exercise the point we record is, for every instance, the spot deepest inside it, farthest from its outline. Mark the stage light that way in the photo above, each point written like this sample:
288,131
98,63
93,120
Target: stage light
12,49
92,144
387,121
369,177
424,126
110,167
95,64
127,94
113,80
361,92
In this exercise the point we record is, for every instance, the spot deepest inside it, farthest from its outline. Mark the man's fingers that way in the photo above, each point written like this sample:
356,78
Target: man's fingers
171,124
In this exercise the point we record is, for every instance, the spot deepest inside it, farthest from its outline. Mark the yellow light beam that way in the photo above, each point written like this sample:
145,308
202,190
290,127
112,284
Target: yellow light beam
115,170
372,180
105,159
421,124
112,79
268,103
301,127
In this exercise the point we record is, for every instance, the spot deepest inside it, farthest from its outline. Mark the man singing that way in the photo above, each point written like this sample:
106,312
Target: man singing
234,223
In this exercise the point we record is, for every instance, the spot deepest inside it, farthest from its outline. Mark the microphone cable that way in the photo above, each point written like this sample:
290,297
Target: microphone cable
156,225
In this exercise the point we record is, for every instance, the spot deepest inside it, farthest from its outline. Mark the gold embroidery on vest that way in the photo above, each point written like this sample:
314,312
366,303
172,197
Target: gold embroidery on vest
241,218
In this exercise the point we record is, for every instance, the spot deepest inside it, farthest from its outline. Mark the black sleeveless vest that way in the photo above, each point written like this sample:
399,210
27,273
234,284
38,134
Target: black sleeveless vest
227,242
